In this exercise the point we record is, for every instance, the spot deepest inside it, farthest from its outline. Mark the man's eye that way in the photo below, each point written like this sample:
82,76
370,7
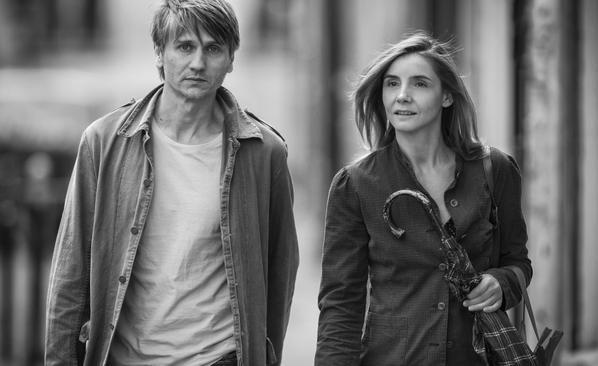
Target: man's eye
213,49
185,47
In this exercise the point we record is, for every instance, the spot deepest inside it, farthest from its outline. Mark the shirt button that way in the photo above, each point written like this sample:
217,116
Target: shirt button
442,267
147,182
441,306
122,279
454,203
134,231
111,326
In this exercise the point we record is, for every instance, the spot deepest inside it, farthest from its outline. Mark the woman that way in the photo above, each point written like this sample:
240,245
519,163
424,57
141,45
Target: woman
416,116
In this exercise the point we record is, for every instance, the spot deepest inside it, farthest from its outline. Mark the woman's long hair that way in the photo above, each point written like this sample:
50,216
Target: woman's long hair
458,121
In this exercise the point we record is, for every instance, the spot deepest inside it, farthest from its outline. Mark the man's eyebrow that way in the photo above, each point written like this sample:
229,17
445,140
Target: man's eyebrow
183,40
212,43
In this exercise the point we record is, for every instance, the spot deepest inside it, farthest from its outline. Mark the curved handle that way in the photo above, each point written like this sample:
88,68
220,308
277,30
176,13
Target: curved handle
424,200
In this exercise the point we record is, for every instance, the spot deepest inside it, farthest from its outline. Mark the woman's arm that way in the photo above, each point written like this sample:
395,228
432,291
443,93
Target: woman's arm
342,295
513,230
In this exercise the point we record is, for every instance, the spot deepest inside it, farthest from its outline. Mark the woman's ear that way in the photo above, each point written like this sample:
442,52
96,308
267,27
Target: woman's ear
447,100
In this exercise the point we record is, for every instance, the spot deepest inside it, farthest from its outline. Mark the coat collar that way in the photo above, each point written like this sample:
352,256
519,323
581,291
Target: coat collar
237,123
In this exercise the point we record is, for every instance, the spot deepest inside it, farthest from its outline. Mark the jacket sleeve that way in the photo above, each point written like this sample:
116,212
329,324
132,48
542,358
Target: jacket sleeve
67,304
342,296
283,259
512,229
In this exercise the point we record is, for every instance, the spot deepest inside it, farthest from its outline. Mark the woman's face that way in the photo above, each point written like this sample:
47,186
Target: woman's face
412,95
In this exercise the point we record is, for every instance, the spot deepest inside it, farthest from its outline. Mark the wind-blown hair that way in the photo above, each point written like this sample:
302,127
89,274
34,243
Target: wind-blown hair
458,121
216,17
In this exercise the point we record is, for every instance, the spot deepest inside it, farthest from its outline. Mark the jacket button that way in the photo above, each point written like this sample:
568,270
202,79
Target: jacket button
442,267
147,182
134,231
122,279
454,203
441,306
449,344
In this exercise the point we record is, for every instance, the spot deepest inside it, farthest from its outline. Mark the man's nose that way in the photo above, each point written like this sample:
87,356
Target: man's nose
198,61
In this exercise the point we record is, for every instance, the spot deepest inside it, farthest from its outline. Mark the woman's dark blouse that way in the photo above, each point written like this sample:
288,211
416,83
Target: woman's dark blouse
411,319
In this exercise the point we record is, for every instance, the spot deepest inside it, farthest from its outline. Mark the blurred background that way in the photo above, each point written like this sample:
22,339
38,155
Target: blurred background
531,66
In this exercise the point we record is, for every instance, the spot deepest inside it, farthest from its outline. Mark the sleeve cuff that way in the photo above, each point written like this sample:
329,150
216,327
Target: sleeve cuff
510,287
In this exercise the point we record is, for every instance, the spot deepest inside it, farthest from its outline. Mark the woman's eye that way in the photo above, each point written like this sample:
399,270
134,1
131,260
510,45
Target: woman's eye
392,83
421,84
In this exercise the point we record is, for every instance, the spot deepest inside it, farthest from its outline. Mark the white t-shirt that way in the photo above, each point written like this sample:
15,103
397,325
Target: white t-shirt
177,307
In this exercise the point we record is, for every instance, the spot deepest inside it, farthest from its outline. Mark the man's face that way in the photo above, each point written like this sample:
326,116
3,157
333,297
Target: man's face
194,67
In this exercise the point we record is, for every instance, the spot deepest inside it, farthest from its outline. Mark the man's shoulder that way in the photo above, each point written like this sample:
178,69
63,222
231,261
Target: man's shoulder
265,127
109,123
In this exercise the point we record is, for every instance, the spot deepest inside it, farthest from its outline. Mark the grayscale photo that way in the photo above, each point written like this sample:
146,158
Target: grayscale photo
295,183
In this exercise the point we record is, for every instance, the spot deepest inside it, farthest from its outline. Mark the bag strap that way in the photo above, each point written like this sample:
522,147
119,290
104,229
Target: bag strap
487,162
525,298
489,176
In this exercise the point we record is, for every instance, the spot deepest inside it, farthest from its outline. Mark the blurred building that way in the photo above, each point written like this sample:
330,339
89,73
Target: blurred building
531,66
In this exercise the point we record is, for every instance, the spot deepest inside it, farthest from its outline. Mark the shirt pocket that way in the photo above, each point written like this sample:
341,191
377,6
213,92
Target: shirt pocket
385,340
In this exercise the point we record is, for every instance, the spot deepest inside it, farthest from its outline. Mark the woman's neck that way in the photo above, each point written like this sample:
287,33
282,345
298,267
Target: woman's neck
425,151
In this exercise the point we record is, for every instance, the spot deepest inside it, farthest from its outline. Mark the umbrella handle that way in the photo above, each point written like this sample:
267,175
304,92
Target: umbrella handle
427,205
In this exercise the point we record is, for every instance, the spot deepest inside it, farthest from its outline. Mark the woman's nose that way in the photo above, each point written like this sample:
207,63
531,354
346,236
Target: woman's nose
404,96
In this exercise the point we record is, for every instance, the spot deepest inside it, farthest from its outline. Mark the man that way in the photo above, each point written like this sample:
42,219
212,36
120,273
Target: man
177,243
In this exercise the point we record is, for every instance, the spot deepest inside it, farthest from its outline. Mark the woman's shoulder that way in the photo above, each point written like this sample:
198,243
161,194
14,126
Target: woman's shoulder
505,170
502,160
360,170
364,165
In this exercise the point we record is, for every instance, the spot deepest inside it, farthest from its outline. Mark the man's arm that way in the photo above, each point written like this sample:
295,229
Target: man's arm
67,306
283,259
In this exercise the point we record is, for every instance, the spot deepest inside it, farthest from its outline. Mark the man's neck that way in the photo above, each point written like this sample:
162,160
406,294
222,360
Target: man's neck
189,121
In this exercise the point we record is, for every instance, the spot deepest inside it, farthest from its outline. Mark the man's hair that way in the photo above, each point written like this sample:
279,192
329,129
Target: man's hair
174,17
459,123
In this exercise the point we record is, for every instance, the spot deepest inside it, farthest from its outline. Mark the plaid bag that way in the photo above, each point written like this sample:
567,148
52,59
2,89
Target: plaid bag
495,339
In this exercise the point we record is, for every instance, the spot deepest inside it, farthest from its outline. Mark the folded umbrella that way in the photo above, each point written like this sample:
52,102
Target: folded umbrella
495,339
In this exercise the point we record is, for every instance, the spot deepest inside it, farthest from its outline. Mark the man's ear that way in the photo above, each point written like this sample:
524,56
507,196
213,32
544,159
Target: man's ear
230,66
447,100
159,61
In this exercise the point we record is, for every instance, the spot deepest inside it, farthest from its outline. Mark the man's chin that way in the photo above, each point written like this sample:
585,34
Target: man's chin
195,93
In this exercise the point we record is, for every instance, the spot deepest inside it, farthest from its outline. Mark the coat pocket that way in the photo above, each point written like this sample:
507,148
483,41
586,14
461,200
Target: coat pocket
384,340
270,352
84,332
